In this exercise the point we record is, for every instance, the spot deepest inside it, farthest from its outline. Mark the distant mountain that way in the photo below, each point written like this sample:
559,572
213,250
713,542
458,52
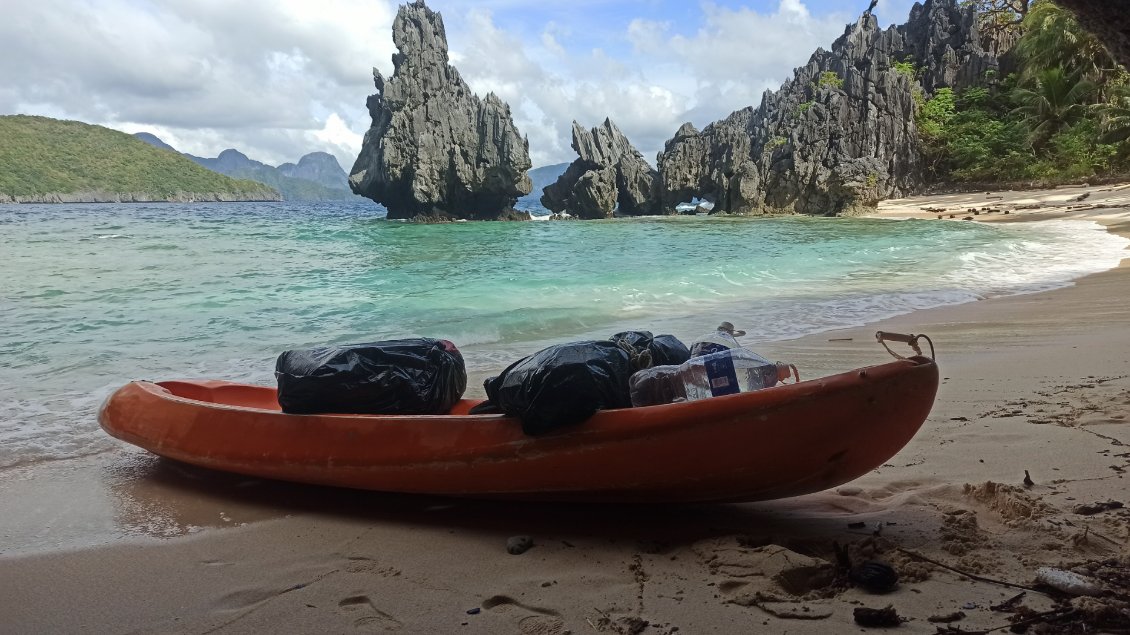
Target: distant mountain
319,167
46,160
540,177
316,177
154,141
543,176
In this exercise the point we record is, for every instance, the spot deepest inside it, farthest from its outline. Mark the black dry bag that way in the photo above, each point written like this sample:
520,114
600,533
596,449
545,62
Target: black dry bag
411,376
562,385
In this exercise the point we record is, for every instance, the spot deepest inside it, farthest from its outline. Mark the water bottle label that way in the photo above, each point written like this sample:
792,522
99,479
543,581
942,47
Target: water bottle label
722,376
708,348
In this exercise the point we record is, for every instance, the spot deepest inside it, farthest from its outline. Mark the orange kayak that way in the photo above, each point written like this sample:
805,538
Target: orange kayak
778,442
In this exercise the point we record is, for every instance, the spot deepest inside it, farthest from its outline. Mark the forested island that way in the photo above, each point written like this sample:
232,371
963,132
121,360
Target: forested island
45,160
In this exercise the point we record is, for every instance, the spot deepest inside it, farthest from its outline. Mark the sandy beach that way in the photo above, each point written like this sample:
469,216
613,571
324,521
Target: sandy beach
1035,385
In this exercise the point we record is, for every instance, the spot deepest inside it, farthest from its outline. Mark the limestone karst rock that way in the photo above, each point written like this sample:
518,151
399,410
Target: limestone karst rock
435,150
609,176
840,134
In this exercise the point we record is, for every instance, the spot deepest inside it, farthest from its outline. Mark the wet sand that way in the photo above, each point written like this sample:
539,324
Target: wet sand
124,542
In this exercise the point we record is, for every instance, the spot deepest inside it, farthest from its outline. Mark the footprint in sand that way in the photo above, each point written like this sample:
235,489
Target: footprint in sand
369,616
361,564
543,622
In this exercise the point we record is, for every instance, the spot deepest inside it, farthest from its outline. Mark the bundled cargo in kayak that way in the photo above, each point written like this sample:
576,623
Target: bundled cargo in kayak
782,441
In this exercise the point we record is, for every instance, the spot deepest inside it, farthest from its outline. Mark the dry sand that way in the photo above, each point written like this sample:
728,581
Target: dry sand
123,542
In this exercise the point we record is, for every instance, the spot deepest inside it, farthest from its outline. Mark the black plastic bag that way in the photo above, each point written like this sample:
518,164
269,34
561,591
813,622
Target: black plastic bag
411,376
666,350
562,385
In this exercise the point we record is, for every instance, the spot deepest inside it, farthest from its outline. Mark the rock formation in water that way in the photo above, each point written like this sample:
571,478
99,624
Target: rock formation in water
610,176
840,135
435,150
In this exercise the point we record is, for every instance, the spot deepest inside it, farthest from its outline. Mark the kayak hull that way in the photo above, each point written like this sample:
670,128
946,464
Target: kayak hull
779,442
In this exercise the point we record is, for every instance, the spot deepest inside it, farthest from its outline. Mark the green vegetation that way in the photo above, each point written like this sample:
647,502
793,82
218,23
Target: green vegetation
774,143
1063,115
907,68
829,79
1116,116
40,156
803,108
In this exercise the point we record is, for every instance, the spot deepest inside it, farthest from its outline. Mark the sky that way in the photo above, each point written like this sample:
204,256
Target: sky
277,79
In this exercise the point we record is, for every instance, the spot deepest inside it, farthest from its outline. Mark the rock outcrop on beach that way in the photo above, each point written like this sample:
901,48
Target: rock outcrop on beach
610,176
435,150
840,135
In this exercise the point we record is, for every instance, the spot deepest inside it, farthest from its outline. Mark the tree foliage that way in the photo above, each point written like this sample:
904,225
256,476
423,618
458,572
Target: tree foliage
1000,15
829,78
1064,115
1053,39
1055,100
1116,116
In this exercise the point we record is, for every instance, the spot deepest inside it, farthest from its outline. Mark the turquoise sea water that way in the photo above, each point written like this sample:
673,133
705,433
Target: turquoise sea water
92,296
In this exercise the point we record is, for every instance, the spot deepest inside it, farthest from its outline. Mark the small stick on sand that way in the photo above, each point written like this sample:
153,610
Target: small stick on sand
923,558
1039,617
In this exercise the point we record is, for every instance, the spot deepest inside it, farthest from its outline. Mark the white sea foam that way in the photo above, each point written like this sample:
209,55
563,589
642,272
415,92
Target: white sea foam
1068,250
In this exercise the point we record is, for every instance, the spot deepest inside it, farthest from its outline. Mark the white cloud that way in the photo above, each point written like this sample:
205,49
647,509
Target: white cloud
278,78
272,75
893,11
667,78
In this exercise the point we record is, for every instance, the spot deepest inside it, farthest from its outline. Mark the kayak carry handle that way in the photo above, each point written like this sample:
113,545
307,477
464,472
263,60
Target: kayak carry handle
909,339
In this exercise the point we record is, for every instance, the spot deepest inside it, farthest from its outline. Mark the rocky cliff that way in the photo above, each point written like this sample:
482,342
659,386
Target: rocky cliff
840,135
434,148
610,176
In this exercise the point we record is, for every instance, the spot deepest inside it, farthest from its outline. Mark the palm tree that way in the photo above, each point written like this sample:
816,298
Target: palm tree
1052,37
1056,100
1116,116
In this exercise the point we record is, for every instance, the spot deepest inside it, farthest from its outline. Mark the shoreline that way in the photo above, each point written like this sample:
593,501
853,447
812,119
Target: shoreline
1034,382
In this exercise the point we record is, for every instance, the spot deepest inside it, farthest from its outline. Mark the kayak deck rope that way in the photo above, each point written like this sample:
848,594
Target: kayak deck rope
909,339
638,358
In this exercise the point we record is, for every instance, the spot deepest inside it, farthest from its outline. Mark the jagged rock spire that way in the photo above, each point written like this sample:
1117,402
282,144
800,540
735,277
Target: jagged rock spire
434,148
610,176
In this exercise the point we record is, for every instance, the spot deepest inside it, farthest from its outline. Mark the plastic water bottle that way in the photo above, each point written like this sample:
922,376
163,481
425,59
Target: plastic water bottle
726,372
722,339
